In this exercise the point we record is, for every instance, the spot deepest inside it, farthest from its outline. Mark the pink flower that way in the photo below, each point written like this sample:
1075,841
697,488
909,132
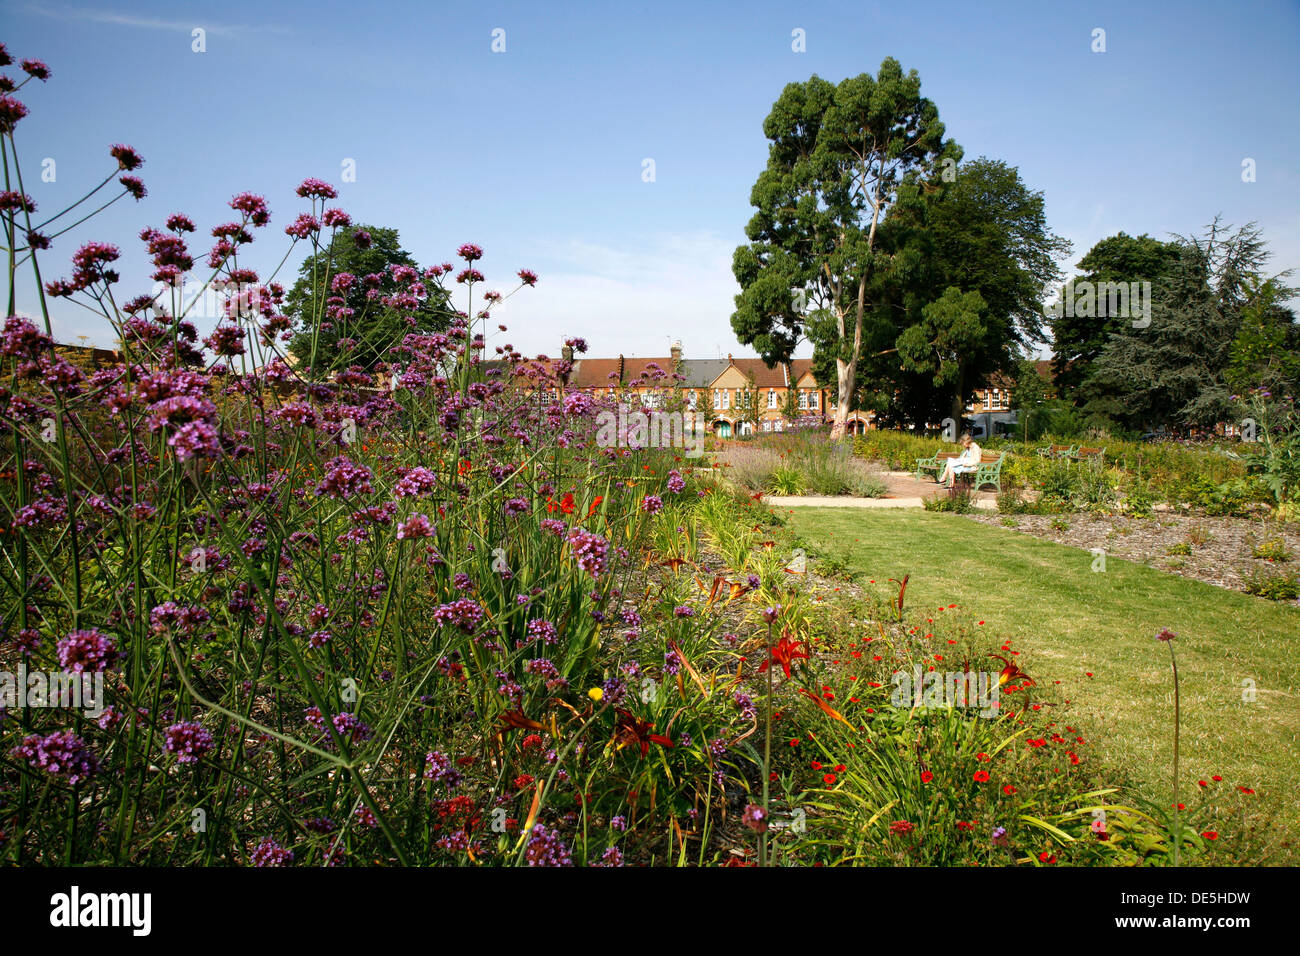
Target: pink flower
317,188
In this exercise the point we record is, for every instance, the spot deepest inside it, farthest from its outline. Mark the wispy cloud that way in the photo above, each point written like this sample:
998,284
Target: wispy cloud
113,18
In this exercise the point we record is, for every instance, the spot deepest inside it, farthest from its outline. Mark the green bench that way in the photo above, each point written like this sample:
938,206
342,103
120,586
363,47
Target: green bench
989,471
1058,451
935,463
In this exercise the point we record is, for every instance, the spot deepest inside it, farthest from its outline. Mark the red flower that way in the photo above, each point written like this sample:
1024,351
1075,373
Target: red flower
1210,835
1245,789
926,776
565,504
816,765
828,779
901,826
1009,789
784,653
632,730
1046,857
981,776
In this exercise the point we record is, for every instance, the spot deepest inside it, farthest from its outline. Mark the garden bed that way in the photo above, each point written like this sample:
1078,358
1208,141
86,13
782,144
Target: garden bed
1218,551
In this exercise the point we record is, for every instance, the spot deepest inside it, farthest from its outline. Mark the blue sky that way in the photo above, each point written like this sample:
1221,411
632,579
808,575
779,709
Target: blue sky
536,153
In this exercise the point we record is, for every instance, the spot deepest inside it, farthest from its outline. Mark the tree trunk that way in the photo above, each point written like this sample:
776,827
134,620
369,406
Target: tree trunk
846,382
958,406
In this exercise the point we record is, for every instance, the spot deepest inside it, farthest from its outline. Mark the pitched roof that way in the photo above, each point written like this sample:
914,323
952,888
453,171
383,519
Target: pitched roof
701,373
756,371
596,372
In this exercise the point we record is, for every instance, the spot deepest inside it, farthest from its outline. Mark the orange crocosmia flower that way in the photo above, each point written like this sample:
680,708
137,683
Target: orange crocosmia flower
785,652
594,505
463,468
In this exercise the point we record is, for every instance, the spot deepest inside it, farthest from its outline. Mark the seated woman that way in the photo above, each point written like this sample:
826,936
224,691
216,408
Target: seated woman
966,463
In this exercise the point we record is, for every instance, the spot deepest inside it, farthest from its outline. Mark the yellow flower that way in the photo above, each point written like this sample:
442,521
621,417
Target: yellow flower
595,693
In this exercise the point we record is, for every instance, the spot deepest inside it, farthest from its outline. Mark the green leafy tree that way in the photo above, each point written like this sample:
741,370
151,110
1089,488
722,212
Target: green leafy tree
1174,372
366,337
977,228
1030,393
837,156
1266,352
1080,335
950,331
984,233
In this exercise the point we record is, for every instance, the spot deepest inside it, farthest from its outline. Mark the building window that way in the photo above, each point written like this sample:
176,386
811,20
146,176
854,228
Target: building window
803,399
771,398
717,399
726,398
988,399
692,402
812,400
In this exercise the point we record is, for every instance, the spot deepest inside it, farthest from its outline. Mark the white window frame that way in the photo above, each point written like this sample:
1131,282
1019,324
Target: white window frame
771,398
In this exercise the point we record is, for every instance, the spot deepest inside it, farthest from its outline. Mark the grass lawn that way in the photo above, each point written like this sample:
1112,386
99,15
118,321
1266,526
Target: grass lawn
1068,620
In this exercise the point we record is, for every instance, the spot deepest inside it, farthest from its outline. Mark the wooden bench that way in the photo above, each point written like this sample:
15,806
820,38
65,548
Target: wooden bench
1088,454
935,463
1057,451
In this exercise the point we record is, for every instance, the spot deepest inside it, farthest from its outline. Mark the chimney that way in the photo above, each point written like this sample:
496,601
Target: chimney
566,353
677,353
